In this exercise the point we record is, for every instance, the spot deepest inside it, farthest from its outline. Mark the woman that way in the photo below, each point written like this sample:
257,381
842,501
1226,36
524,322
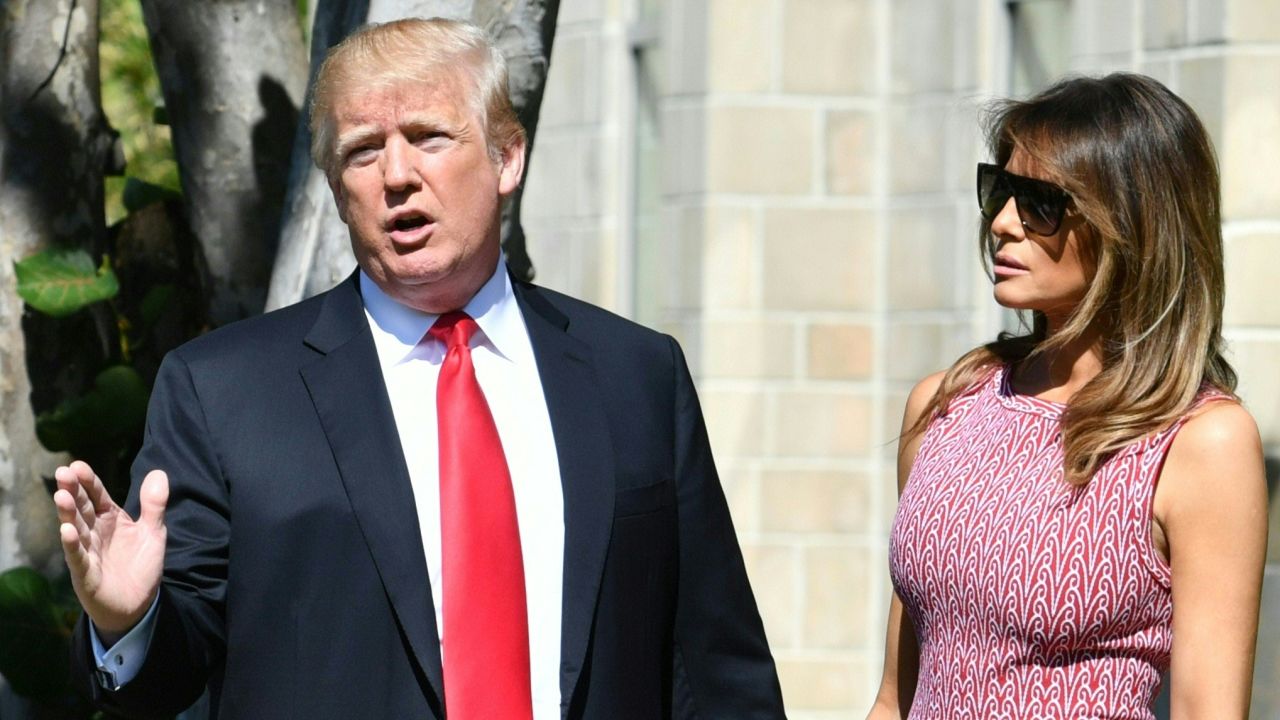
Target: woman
1083,506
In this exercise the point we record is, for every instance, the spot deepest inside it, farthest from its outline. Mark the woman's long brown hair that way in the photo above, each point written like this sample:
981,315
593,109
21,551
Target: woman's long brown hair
1143,175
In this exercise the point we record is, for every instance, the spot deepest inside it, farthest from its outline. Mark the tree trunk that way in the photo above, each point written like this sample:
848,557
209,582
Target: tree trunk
315,252
54,147
233,74
524,30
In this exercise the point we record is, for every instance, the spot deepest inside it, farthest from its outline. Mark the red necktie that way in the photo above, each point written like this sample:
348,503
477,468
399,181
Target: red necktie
486,626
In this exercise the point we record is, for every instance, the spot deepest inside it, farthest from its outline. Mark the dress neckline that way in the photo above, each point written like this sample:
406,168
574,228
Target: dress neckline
1024,403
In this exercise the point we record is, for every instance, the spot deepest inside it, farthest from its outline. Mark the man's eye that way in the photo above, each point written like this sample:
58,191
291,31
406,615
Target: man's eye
429,137
361,155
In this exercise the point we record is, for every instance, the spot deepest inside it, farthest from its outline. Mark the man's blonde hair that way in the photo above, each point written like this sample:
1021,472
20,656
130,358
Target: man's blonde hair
415,50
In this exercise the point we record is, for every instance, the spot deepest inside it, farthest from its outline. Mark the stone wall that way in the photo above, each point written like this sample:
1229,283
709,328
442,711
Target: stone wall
813,248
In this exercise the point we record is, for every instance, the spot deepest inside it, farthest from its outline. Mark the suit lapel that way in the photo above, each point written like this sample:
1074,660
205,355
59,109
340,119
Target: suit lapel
585,452
350,397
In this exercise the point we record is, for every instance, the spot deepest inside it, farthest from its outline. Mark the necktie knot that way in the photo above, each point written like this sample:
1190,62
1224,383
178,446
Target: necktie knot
454,329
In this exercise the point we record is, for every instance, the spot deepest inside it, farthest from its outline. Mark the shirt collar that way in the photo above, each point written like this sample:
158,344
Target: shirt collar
399,330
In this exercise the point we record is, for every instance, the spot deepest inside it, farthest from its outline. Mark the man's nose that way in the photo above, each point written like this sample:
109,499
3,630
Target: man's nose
398,171
1007,222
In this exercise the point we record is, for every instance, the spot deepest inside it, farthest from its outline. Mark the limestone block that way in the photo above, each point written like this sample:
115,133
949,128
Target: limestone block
552,252
922,45
1201,82
774,571
819,259
1102,28
815,501
1253,20
1163,69
684,148
668,263
741,484
829,47
824,423
850,152
1102,63
572,69
760,149
743,45
965,147
839,351
731,252
889,481
591,274
1249,149
735,422
837,587
595,188
682,280
822,683
581,11
560,105
967,34
892,410
684,33
1251,280
917,147
918,349
553,175
1164,23
927,254
1266,673
750,348
1208,21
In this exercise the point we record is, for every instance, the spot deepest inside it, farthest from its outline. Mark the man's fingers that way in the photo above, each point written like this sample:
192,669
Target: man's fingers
153,497
93,486
85,507
72,549
70,517
65,504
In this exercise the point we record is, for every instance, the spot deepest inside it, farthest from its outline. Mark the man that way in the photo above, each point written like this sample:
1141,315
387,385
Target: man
372,505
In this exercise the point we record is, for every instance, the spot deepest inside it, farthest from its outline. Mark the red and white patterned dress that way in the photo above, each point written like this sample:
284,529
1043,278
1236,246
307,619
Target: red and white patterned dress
1030,598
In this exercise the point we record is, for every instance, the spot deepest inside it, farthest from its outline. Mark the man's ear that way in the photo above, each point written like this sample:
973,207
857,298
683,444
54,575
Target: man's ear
339,198
511,172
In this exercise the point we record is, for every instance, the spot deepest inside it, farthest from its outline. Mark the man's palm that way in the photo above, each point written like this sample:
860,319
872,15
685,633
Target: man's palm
115,561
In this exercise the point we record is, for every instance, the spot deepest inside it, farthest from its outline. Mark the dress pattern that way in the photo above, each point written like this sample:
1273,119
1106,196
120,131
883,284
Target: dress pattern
1030,599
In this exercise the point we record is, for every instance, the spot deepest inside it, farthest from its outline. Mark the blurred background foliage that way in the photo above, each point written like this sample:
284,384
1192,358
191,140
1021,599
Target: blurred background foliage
132,101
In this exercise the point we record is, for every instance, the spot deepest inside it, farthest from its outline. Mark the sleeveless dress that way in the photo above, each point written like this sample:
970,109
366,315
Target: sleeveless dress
1030,598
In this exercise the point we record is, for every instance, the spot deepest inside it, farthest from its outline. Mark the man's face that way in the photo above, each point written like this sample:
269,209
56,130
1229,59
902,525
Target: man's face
419,192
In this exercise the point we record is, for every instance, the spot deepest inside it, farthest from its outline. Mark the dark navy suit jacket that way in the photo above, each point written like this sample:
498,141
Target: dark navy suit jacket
295,583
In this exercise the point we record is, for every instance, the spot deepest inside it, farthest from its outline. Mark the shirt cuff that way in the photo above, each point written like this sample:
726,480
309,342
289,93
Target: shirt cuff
121,662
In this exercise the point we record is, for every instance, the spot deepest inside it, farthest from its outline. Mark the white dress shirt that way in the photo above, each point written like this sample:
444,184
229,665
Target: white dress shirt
508,374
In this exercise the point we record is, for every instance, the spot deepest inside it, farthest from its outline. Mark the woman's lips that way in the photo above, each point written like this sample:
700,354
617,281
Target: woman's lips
1007,266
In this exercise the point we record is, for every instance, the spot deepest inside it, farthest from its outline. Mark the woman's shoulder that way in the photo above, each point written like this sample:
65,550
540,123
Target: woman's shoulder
1217,428
1214,464
954,391
921,395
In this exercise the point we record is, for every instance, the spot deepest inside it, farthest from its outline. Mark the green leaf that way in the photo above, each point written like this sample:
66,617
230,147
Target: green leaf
158,300
110,414
160,115
140,193
60,282
34,643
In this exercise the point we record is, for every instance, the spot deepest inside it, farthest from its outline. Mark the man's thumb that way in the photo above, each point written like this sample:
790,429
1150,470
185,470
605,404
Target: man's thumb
153,497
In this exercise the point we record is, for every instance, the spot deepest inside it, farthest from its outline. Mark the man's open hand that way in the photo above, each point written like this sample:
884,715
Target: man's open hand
115,561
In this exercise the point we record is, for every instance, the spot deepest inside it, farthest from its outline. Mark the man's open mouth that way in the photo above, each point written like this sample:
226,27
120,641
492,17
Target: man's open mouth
409,222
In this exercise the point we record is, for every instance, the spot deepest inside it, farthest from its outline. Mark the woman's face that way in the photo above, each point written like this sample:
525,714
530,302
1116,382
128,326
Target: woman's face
1038,272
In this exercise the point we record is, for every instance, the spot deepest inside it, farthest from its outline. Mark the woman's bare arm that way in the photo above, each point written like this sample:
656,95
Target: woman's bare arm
901,653
1211,501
